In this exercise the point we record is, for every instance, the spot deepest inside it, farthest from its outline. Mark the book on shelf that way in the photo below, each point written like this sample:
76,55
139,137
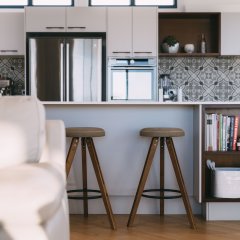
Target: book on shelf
231,133
208,132
235,132
221,132
228,133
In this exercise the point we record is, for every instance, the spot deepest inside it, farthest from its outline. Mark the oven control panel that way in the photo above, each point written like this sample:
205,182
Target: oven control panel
132,62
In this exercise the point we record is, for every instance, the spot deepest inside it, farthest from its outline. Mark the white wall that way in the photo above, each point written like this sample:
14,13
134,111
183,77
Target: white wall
211,5
195,5
85,3
81,3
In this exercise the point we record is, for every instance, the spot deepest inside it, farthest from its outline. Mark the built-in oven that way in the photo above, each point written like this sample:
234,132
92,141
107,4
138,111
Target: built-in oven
132,79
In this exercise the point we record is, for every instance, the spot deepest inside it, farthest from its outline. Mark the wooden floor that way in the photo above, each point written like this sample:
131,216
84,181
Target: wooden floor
152,227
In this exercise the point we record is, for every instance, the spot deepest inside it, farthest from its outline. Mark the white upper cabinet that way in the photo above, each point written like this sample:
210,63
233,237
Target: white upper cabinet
230,34
144,31
119,31
86,19
45,19
132,31
66,19
12,33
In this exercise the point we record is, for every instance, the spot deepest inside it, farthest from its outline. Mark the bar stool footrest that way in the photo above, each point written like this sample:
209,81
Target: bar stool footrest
162,190
79,197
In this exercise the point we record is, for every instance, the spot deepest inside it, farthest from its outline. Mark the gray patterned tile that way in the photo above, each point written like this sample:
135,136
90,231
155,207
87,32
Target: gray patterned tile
193,63
222,63
208,76
12,67
193,91
204,79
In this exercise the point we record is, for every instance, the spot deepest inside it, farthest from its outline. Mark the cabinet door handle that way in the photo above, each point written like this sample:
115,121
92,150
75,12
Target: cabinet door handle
121,52
77,27
54,27
144,52
12,51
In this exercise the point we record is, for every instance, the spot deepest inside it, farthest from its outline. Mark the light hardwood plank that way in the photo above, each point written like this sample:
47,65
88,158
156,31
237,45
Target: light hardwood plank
152,227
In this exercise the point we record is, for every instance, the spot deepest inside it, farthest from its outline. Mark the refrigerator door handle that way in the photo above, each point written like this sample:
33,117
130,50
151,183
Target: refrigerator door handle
62,73
67,70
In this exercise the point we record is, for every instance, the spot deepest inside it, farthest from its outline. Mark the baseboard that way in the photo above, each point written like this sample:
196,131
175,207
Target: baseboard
123,205
221,211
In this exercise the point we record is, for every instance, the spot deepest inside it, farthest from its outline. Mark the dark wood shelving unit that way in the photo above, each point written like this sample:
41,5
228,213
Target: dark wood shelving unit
221,158
187,28
188,54
222,199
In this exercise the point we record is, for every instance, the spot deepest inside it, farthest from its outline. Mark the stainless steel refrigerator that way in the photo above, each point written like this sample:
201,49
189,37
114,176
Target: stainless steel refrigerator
65,68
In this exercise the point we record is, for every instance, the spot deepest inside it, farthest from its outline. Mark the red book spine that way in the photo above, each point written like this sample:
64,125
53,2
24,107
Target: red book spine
235,132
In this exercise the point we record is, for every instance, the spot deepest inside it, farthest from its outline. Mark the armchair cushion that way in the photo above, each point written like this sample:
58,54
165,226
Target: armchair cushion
22,137
30,193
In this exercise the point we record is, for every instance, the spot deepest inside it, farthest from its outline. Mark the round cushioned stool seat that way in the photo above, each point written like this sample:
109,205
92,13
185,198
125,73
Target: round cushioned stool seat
162,132
85,132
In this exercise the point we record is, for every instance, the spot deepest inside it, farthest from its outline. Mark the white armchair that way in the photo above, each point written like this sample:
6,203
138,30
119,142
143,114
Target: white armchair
33,200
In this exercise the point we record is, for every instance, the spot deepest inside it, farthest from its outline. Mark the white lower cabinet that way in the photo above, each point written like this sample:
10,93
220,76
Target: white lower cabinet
12,33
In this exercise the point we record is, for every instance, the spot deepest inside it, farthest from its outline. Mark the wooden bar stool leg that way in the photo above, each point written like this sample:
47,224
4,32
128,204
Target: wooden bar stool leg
143,179
177,170
71,153
99,175
162,141
84,177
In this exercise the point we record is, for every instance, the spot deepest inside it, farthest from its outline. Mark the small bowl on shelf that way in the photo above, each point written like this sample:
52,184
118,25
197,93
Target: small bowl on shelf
189,48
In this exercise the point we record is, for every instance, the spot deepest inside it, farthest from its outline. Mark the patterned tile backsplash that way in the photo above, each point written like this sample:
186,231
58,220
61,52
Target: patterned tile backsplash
201,79
12,67
204,79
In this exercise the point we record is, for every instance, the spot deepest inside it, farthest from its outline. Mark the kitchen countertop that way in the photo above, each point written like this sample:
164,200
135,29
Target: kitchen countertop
140,103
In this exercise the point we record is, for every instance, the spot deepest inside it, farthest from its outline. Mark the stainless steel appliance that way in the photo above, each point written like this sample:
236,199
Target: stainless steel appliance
165,85
6,86
65,68
169,94
132,79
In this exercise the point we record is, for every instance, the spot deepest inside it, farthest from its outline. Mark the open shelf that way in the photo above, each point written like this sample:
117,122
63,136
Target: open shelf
188,54
210,153
187,28
221,158
212,199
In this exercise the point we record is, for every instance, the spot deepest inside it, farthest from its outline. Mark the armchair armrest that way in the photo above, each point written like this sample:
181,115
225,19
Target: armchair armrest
55,149
45,180
30,193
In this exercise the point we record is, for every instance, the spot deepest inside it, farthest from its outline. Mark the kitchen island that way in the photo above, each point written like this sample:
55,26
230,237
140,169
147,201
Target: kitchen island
122,151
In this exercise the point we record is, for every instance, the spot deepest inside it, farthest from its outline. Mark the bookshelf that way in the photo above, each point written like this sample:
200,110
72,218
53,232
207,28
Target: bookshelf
227,158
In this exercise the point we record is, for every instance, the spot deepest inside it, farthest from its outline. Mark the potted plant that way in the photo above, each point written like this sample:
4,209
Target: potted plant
170,44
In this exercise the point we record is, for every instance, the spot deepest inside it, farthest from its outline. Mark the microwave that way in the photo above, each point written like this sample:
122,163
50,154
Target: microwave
132,79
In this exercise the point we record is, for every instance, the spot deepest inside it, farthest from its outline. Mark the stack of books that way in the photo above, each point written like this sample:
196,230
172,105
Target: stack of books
221,132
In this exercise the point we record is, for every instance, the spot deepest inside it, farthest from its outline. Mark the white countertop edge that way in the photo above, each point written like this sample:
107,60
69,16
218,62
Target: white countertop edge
149,103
